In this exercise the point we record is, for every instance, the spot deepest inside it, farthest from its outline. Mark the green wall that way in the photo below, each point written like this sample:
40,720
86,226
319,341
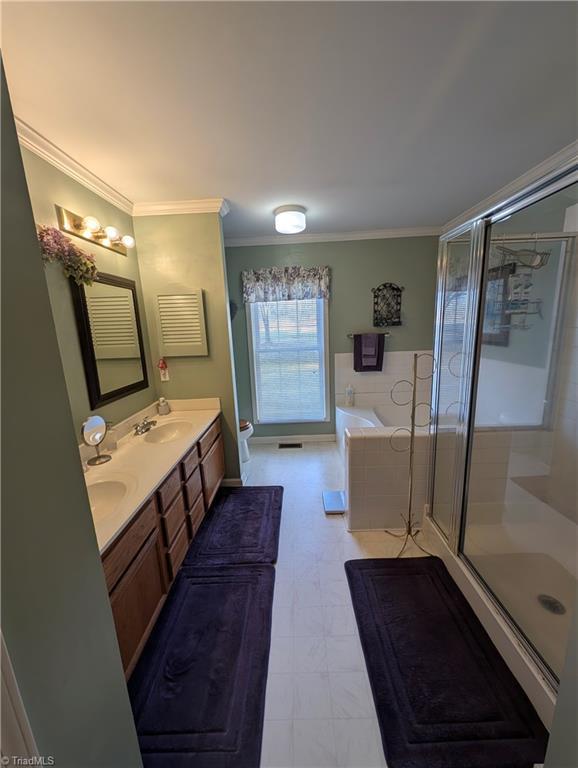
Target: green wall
178,253
357,266
48,187
56,617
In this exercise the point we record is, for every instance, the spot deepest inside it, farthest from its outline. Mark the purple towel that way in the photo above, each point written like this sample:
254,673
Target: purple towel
368,351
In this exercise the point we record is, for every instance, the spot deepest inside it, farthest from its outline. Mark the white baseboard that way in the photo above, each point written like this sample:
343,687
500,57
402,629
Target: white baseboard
272,439
232,482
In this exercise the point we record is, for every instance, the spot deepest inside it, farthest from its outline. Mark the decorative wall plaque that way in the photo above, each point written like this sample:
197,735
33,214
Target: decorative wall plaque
386,305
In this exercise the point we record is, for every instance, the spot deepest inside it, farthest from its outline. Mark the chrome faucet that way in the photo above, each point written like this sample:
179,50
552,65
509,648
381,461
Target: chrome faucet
144,426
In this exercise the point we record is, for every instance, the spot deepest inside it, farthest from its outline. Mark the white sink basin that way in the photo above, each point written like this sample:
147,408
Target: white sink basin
166,433
105,496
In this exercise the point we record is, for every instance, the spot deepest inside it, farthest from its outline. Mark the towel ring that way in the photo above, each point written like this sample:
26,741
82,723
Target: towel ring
450,361
391,443
428,422
401,381
433,367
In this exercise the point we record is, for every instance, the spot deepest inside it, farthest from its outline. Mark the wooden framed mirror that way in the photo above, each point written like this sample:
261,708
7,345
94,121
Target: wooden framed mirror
110,334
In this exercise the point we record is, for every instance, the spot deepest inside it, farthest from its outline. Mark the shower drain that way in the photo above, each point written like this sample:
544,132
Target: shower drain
551,604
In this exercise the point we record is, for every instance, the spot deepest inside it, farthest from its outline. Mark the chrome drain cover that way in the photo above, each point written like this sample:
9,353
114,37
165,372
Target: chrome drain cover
552,604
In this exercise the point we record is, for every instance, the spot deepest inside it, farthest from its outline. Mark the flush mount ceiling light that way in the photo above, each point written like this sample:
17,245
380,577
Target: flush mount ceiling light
290,219
89,228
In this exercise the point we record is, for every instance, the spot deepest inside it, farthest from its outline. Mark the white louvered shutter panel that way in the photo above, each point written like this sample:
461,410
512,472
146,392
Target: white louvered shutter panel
112,324
181,324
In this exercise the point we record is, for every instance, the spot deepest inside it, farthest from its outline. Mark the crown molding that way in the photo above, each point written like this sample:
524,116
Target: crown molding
553,165
334,237
48,151
41,146
207,205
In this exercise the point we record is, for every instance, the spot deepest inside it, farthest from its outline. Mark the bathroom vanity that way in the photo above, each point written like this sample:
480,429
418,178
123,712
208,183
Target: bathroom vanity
178,466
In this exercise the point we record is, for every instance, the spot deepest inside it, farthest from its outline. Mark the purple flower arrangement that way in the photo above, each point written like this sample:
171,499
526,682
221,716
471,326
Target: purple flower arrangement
77,264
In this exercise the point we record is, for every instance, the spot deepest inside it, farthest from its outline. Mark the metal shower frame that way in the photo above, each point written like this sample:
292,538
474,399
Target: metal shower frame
477,230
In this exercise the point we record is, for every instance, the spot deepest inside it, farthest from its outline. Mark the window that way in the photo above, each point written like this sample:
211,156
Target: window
288,345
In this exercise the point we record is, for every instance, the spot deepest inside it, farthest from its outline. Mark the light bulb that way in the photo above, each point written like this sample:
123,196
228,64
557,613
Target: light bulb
290,219
112,233
127,241
91,223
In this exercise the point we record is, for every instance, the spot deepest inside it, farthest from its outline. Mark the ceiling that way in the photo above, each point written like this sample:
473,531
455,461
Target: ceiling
372,115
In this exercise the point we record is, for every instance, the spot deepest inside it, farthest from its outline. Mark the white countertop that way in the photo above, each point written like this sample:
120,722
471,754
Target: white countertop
140,466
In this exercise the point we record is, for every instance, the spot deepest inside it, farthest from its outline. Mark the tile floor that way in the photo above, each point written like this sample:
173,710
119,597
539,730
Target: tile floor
319,710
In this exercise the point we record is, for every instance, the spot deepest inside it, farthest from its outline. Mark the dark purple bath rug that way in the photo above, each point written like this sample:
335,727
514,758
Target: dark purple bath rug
198,690
242,527
443,694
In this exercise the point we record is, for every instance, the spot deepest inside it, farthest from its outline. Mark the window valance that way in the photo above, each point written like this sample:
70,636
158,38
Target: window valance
285,284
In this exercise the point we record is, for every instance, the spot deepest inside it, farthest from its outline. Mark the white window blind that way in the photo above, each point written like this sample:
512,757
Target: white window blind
288,342
454,320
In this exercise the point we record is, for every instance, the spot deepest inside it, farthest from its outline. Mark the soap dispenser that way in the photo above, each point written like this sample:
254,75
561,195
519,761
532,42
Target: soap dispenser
163,407
349,396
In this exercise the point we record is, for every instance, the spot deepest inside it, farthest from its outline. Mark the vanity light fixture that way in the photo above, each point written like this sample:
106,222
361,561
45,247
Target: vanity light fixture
89,228
290,219
112,233
127,241
91,224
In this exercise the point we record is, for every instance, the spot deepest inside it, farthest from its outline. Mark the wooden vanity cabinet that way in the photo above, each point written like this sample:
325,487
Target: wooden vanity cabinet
190,463
193,486
178,549
196,514
208,438
174,521
212,460
213,470
135,573
142,563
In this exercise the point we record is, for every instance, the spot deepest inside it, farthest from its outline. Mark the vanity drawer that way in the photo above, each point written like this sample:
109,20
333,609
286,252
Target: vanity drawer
209,438
118,558
169,489
176,554
193,487
190,462
173,519
196,515
213,470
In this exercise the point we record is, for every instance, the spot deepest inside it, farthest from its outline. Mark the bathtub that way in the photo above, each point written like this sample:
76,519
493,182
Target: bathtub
353,418
376,458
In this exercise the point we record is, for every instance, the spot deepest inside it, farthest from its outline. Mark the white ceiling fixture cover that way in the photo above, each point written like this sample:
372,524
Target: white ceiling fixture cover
290,219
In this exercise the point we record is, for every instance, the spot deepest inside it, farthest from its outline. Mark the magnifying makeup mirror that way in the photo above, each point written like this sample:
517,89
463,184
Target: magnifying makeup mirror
93,433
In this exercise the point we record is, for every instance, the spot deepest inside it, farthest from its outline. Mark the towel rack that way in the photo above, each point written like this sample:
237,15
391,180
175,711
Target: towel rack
383,333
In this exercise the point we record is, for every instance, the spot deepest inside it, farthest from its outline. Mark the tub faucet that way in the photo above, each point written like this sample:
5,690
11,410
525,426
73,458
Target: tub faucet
144,426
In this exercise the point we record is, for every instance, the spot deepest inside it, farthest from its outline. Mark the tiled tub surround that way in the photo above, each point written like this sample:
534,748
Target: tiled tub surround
374,451
488,475
377,477
372,390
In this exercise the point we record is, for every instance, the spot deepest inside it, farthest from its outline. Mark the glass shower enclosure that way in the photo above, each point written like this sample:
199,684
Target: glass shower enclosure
505,399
